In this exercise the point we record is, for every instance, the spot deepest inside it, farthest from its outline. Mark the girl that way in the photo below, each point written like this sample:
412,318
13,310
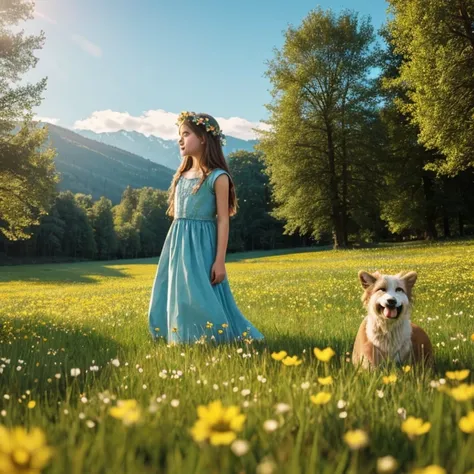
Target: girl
191,299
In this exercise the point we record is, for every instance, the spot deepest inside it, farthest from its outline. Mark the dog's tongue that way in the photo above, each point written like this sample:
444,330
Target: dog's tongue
390,312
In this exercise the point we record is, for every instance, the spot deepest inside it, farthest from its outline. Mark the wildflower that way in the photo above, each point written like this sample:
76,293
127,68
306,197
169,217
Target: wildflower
270,425
22,451
281,408
279,355
386,465
31,404
415,427
458,374
321,398
433,469
325,380
75,372
240,447
406,369
356,439
217,424
324,355
290,361
466,423
392,378
463,393
127,411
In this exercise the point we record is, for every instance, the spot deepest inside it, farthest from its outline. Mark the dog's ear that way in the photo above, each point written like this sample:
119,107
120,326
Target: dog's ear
410,279
366,279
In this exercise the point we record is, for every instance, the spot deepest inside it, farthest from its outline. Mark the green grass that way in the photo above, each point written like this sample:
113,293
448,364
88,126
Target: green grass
57,317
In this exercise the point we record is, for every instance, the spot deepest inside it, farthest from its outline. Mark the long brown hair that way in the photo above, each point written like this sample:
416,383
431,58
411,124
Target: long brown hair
212,158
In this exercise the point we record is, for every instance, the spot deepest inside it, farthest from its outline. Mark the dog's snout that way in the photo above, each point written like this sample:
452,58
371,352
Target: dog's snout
391,302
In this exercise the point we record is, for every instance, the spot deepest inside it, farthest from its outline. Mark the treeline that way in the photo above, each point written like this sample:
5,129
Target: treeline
79,228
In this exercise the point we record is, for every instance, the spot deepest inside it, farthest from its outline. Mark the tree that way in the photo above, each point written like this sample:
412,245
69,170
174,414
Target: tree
103,225
317,151
436,40
27,173
253,226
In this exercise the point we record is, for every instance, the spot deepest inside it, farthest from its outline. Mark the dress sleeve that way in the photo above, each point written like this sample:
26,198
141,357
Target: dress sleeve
214,175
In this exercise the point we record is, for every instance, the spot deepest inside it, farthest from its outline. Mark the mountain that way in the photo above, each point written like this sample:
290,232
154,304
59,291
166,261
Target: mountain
90,167
164,152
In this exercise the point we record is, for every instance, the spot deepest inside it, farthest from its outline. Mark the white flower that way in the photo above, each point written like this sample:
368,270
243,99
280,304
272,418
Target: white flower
240,447
174,403
270,425
116,362
402,413
84,399
58,376
281,408
75,372
343,414
386,465
245,392
94,368
3,413
305,385
341,404
90,424
379,393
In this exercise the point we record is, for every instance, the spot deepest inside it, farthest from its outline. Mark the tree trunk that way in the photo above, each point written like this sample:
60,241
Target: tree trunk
446,228
338,233
461,224
430,210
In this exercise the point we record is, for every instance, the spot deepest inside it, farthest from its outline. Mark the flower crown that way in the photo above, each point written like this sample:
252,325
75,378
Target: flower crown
210,124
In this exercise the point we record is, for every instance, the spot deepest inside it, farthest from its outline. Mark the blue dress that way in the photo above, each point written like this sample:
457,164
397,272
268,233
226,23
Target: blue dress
185,307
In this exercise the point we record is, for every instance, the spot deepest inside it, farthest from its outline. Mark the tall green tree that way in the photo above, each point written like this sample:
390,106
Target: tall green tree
27,173
318,151
436,40
103,225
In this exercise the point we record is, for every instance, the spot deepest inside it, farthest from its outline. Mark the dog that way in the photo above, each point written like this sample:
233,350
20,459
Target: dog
386,333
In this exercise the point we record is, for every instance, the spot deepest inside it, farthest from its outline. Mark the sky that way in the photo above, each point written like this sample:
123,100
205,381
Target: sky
135,65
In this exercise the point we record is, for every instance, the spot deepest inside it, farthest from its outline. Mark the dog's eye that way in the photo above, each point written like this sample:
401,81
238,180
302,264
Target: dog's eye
400,289
382,289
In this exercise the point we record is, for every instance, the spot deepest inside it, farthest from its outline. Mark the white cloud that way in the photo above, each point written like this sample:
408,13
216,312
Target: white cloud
44,17
54,121
87,45
160,123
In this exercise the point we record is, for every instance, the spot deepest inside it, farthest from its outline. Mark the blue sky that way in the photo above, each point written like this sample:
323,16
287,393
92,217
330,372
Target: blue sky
115,64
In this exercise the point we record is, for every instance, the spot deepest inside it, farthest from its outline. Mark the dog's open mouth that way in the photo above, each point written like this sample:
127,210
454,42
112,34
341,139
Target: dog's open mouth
390,313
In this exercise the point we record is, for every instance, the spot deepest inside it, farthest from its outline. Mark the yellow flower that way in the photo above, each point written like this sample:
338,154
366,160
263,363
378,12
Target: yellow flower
209,325
289,361
466,423
356,439
157,329
220,331
472,337
463,393
324,355
225,325
415,427
406,368
126,410
325,380
244,334
390,379
321,398
23,452
433,469
458,374
279,355
217,424
31,404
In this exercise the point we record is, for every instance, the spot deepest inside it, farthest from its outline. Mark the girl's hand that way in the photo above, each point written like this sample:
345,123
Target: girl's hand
217,272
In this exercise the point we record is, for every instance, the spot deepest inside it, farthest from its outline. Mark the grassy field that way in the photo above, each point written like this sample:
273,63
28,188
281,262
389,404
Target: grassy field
55,319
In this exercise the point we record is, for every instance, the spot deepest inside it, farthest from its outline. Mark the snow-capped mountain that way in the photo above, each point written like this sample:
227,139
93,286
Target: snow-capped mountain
163,152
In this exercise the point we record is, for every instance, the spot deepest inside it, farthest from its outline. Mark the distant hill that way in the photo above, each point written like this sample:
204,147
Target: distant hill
95,168
164,152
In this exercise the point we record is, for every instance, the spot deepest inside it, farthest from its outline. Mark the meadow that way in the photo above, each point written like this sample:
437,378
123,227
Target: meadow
79,371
